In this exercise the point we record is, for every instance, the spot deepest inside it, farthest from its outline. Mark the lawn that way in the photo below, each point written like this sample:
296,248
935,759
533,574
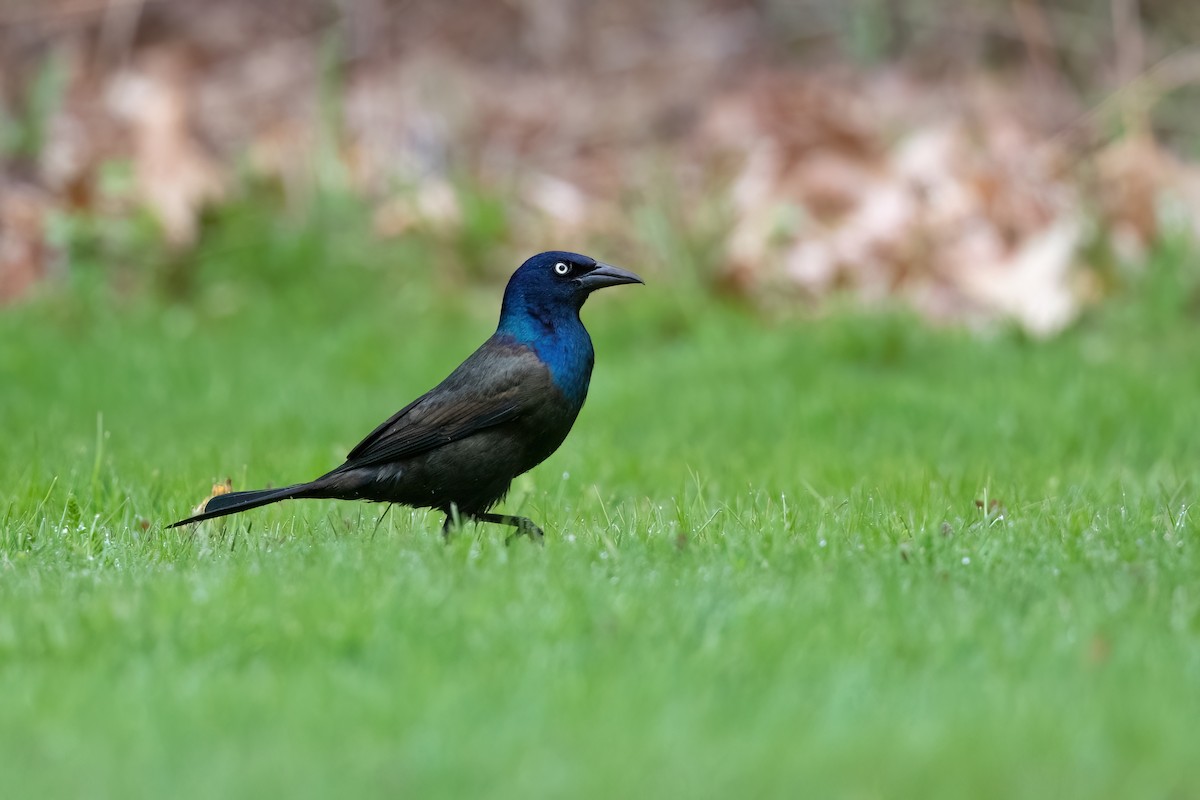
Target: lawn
822,555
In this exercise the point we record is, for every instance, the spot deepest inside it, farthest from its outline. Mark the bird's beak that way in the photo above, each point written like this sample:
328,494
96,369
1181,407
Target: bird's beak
607,275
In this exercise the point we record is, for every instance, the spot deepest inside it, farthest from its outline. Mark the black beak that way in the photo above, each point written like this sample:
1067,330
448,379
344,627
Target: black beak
607,275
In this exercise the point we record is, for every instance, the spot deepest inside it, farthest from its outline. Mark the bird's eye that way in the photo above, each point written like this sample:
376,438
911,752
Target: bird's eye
562,268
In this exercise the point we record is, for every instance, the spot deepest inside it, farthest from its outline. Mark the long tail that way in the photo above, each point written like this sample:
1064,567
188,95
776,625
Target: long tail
234,502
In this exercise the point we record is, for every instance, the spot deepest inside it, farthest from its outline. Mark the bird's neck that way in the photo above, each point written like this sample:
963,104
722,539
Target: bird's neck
558,337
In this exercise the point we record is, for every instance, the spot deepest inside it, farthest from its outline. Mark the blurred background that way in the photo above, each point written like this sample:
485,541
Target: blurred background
1016,160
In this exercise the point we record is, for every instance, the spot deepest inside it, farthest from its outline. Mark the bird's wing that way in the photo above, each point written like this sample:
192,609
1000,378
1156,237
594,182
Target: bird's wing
488,389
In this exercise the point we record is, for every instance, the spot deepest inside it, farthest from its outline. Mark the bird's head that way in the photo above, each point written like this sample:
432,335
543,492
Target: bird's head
558,282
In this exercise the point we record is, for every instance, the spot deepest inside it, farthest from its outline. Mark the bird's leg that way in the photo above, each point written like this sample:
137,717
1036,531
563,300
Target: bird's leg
379,521
522,524
453,521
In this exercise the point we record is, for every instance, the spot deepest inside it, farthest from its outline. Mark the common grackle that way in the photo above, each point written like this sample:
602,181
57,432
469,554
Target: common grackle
502,412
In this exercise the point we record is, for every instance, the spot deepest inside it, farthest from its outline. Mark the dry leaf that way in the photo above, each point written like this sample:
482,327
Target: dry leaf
176,176
217,489
24,253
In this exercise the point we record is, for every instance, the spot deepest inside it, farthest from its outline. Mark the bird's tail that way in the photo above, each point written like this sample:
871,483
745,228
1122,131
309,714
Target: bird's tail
234,502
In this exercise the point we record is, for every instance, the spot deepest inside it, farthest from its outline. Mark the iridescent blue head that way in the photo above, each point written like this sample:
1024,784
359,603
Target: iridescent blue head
541,310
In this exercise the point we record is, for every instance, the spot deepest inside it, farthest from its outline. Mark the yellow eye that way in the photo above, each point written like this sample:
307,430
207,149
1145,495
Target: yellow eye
562,268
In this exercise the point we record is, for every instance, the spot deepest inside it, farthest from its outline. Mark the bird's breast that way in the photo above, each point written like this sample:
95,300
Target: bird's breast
569,360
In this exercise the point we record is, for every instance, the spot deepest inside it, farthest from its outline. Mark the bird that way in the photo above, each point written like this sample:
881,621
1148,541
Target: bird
500,413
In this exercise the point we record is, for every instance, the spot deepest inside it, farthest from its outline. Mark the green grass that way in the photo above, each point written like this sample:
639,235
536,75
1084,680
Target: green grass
767,571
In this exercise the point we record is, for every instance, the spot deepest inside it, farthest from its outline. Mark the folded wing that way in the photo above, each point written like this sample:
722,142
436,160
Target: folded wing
490,388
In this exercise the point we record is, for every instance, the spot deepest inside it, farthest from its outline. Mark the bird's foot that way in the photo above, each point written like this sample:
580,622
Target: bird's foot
523,525
526,528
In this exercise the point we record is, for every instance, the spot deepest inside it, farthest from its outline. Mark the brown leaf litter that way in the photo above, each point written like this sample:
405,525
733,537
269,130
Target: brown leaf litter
971,197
